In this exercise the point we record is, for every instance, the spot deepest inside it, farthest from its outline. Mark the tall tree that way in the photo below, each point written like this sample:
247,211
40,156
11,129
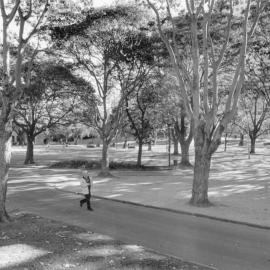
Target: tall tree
26,18
174,109
94,52
139,72
210,24
252,116
48,100
140,111
107,51
253,111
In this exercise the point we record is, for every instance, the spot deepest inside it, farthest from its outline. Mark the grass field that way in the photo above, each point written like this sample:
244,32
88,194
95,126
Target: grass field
239,185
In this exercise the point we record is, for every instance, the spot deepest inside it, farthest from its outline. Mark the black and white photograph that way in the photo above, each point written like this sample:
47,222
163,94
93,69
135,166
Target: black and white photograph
134,134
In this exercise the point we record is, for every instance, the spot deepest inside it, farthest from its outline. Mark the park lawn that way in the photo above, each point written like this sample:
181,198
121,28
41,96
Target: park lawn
32,242
239,185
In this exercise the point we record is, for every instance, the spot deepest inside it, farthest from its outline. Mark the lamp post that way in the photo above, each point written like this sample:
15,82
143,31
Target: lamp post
169,146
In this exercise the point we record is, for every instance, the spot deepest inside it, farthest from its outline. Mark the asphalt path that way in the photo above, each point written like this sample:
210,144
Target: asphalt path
223,245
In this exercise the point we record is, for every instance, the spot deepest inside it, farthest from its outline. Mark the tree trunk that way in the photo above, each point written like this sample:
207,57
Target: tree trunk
225,142
205,144
181,131
5,157
252,145
185,144
149,146
200,178
241,141
185,153
175,145
155,138
139,157
29,158
202,145
105,158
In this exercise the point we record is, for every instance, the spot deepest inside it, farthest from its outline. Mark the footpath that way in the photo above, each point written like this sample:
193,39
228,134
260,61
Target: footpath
246,203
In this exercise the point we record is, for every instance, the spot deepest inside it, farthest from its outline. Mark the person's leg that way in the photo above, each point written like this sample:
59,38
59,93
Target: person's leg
88,202
83,201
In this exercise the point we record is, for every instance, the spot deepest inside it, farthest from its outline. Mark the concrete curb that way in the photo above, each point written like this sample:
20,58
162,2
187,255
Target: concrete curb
254,225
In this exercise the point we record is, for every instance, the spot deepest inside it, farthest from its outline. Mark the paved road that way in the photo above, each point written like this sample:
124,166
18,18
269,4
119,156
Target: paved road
214,243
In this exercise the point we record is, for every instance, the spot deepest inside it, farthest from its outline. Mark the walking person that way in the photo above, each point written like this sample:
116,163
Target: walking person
86,184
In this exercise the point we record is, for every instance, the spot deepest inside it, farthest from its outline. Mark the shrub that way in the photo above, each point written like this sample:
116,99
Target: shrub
94,164
122,165
90,145
75,164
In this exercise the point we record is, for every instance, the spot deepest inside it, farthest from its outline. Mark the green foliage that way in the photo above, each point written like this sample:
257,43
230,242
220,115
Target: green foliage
139,46
115,54
92,18
47,96
140,108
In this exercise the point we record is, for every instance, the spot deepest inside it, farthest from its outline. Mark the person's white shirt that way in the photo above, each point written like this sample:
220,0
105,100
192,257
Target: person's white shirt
83,181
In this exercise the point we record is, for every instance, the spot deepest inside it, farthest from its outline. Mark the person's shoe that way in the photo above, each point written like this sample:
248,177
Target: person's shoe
90,209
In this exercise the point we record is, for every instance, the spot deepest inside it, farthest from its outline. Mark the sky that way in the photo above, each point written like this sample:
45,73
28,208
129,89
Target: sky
100,3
